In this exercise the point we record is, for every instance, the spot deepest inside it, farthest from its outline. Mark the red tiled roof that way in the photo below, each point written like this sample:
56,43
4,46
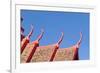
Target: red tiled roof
44,53
32,52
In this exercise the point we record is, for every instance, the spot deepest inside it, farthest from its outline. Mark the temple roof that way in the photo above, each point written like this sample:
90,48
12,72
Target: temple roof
33,52
44,53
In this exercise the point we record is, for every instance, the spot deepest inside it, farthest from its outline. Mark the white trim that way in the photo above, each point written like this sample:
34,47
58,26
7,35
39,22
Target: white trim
16,66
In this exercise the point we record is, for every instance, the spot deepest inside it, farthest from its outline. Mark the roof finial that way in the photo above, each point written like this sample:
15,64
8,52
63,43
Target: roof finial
36,44
57,47
29,35
22,29
21,19
61,38
40,36
80,40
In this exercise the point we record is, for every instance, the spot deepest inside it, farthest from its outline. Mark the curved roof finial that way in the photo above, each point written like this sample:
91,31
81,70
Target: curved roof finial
22,29
61,38
80,40
21,19
29,35
40,36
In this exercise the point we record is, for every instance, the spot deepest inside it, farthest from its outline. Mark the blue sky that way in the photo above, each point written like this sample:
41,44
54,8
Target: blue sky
53,23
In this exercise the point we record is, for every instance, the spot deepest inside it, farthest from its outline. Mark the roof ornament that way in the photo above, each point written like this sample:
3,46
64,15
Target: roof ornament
60,40
22,29
40,36
57,47
80,40
30,33
26,40
36,44
21,19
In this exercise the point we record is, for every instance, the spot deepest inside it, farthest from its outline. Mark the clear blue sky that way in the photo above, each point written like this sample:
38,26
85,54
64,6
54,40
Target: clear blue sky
53,23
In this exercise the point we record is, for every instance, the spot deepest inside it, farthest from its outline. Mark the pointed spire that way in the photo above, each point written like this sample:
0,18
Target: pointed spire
61,38
56,47
40,36
36,44
80,40
29,35
26,40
